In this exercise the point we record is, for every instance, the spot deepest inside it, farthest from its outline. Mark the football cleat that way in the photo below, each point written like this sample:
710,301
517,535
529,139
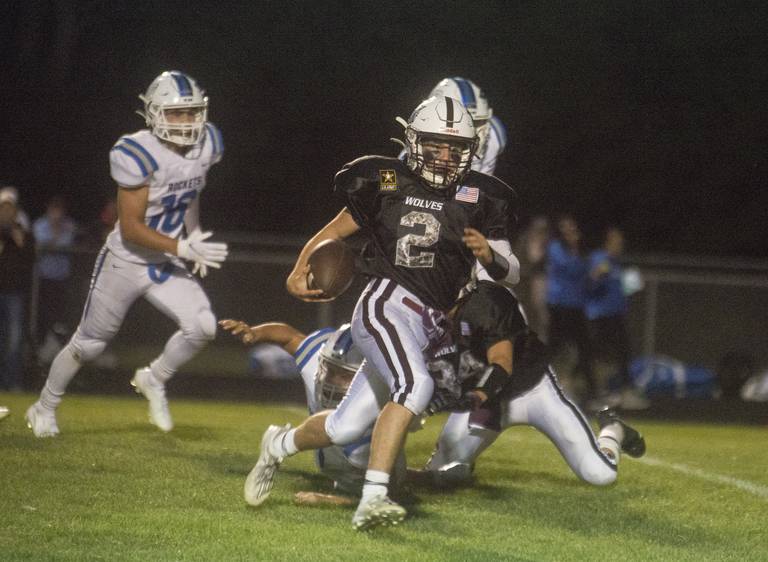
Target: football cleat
261,479
4,412
41,421
154,392
379,511
633,442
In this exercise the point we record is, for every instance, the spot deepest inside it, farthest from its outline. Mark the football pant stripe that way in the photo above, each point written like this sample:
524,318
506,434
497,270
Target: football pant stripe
396,344
96,271
579,416
375,333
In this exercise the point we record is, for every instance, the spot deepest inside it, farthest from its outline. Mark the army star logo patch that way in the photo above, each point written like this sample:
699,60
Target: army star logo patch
387,180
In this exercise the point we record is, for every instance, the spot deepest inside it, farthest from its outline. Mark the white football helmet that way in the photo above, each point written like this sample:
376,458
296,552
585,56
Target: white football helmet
474,100
440,139
174,90
337,363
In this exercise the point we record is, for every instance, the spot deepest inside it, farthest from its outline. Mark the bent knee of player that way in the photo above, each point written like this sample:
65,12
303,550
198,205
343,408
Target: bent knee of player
340,431
200,328
85,349
419,396
596,472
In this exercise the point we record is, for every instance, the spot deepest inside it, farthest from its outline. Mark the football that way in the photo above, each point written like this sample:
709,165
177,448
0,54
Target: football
331,268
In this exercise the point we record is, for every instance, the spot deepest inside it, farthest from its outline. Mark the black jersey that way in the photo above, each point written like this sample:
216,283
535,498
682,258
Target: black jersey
415,231
489,314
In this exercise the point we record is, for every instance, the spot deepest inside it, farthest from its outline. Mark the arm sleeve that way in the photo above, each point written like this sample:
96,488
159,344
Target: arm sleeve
358,188
504,250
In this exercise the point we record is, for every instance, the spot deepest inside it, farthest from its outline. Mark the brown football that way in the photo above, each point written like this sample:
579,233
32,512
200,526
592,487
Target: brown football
331,268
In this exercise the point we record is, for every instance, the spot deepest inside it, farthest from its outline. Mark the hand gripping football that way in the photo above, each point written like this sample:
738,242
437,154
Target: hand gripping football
331,268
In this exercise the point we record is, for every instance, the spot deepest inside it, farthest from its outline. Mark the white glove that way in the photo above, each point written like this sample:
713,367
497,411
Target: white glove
204,254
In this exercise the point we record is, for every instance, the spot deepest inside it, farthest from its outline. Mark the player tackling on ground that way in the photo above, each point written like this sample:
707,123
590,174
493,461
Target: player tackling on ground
427,220
160,173
492,337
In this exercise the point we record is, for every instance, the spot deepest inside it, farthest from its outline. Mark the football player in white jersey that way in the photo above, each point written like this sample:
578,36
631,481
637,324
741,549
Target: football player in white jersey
327,360
160,172
491,133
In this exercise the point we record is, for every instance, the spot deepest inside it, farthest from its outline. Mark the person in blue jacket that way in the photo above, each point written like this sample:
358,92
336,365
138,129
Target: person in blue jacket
567,273
606,310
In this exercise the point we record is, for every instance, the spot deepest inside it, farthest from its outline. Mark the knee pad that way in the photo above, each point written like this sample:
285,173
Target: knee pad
341,433
203,328
85,349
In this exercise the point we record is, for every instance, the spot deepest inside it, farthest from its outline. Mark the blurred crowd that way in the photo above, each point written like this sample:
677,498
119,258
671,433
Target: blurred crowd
35,279
577,294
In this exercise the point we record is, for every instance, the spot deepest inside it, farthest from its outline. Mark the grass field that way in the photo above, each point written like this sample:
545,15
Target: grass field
112,487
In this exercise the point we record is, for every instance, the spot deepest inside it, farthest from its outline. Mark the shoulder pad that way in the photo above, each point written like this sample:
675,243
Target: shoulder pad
136,152
212,132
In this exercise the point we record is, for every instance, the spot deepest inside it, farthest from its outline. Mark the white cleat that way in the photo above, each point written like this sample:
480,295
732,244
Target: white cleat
41,421
154,392
4,412
379,511
260,480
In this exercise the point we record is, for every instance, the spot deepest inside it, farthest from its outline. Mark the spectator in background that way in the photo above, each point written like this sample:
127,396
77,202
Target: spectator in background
532,290
567,273
104,224
54,232
21,217
17,256
606,309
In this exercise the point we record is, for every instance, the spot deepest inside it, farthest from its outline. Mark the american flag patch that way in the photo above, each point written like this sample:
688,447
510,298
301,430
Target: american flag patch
467,194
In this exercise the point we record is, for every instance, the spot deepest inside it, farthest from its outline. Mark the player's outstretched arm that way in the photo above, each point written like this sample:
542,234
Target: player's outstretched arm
284,335
495,257
341,227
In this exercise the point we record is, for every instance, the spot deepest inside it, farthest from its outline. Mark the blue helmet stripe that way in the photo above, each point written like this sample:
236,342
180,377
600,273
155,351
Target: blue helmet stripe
182,82
142,167
144,151
467,93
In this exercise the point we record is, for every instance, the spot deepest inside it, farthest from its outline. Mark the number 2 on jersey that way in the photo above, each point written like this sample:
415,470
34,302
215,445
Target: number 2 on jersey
173,212
429,238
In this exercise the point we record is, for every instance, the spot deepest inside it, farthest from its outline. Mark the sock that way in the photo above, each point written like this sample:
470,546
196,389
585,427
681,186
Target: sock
610,439
63,368
376,482
285,445
610,448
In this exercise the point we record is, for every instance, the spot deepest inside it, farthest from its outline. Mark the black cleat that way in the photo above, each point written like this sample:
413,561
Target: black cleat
633,443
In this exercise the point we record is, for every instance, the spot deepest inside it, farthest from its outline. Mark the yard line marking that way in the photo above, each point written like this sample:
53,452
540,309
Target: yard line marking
746,485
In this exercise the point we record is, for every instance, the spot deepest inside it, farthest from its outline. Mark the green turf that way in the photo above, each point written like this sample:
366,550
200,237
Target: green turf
111,487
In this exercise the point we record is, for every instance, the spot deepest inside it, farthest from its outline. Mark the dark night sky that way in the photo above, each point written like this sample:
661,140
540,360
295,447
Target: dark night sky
649,114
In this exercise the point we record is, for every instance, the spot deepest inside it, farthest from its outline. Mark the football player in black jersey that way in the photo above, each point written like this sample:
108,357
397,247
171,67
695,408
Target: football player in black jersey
428,221
493,340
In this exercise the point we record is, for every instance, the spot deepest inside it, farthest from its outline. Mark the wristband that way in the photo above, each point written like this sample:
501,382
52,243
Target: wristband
499,266
494,378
